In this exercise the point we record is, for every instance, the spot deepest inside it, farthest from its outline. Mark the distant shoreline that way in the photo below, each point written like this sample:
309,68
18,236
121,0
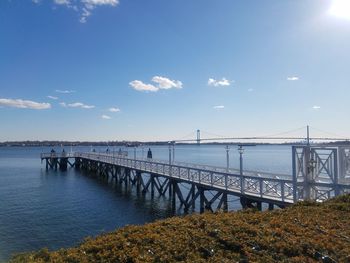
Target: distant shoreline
139,144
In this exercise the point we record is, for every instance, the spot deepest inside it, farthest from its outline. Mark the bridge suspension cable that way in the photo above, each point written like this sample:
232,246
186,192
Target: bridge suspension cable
303,128
276,136
328,133
190,135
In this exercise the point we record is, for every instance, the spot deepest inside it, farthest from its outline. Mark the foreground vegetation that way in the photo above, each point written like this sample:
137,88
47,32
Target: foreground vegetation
306,232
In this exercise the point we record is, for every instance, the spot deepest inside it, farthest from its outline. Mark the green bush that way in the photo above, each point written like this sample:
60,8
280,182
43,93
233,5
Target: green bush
305,232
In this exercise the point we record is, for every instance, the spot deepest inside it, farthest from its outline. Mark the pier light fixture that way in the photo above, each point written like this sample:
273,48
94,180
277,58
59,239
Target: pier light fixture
173,143
240,149
169,144
227,158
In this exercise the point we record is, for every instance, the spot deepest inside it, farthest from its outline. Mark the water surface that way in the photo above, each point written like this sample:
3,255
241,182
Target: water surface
54,209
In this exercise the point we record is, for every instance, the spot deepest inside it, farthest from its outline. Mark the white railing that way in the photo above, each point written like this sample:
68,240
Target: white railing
255,185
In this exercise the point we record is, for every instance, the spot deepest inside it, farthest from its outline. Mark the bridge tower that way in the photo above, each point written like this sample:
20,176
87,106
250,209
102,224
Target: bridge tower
198,137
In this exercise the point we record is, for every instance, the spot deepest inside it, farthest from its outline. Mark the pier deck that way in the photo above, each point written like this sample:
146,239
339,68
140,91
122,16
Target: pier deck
253,188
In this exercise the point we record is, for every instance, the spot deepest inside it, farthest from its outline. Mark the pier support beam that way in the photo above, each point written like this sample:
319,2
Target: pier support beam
63,162
183,192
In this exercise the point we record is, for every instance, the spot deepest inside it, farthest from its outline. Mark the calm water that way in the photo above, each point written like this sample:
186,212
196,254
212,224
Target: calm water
53,209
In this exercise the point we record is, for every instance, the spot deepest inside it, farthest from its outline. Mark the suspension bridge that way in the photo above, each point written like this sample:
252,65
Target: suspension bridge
319,172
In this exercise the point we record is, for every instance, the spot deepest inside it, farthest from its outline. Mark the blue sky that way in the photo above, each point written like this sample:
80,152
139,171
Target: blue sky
167,68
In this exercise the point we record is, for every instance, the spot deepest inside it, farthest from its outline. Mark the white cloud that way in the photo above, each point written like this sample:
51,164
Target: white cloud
219,107
161,83
106,117
83,7
219,83
53,97
165,83
140,86
315,107
77,105
84,15
114,109
62,2
24,104
65,91
293,78
86,6
100,2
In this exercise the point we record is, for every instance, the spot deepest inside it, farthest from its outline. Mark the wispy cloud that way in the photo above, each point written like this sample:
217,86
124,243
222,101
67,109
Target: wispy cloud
219,83
114,109
140,86
83,7
219,107
89,5
77,105
24,104
53,97
165,83
250,90
64,91
293,78
316,107
160,83
106,117
62,2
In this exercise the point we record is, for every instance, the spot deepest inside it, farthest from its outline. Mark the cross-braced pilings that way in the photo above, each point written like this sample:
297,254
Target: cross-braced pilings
186,186
181,194
58,161
319,173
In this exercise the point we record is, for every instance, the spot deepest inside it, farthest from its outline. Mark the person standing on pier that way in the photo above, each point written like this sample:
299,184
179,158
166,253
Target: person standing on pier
149,153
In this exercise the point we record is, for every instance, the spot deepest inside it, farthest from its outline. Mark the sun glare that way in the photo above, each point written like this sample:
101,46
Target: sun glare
340,8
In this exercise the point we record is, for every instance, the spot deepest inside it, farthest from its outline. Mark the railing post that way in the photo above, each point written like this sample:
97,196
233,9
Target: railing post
295,176
261,186
240,150
308,172
336,173
169,153
227,158
242,184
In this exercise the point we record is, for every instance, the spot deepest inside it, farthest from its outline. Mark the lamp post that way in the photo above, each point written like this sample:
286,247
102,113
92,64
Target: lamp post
227,158
241,151
169,152
173,152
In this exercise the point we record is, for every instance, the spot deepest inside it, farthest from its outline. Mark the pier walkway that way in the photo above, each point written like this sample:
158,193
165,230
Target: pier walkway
318,174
